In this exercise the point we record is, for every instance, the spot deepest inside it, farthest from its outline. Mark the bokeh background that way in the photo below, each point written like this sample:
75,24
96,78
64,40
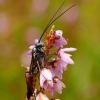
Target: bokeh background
21,21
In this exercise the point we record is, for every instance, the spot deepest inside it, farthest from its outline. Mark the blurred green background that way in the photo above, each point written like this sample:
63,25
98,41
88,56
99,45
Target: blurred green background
21,21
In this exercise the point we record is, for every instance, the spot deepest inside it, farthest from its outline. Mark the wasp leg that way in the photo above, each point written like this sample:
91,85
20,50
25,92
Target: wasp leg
38,67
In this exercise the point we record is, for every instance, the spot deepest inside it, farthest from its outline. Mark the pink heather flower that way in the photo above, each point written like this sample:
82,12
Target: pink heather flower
66,57
46,78
30,51
51,70
59,66
60,41
41,96
36,40
57,86
32,47
68,49
61,62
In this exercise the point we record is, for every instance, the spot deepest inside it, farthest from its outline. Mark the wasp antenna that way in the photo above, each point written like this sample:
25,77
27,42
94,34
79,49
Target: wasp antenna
47,26
58,17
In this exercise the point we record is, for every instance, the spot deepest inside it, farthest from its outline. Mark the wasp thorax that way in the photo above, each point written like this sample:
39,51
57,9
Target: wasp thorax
34,50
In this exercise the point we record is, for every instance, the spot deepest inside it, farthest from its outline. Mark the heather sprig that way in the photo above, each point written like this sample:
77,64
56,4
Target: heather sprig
49,70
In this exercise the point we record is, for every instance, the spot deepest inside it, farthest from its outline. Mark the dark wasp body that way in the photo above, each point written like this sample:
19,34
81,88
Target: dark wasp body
37,57
36,63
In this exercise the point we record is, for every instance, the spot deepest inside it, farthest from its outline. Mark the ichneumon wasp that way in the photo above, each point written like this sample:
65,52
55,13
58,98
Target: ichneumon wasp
37,58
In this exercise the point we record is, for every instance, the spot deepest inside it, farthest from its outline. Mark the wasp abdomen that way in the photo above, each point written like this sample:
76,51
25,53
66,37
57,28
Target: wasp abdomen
31,83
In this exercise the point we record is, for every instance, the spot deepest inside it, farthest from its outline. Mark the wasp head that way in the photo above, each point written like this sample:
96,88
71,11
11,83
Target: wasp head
39,44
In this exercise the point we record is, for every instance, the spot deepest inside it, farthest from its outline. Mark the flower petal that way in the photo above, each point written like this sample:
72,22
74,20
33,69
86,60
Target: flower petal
31,47
42,79
58,33
68,49
66,58
36,40
29,52
41,96
46,78
60,41
47,74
